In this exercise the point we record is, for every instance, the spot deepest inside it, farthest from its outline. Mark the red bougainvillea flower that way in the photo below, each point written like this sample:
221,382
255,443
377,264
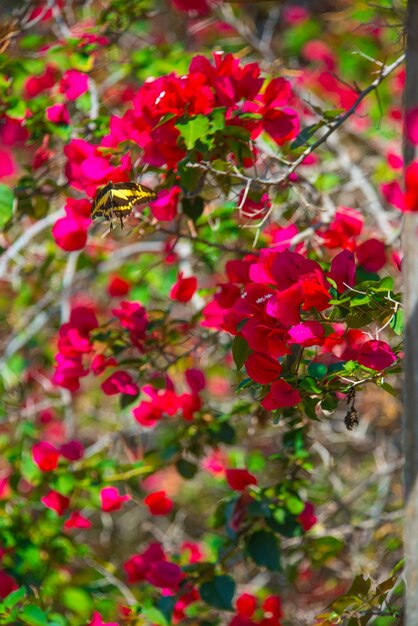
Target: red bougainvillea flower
97,620
281,395
73,84
195,378
343,231
7,584
100,363
158,503
411,187
7,164
118,286
184,288
133,317
343,270
239,479
76,520
72,450
147,413
377,355
262,368
254,209
120,382
45,456
152,565
307,518
164,208
35,85
200,7
272,608
371,255
73,342
56,501
58,114
111,499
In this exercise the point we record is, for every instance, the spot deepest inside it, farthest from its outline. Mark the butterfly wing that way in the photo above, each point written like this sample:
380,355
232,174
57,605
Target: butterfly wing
118,199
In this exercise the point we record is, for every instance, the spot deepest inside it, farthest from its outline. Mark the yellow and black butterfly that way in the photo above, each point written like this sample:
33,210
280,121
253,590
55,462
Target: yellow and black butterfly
118,200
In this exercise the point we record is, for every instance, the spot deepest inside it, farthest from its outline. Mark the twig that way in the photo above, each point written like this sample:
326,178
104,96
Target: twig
25,238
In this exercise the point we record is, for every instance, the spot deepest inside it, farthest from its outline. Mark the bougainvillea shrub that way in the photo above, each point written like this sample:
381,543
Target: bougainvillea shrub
200,397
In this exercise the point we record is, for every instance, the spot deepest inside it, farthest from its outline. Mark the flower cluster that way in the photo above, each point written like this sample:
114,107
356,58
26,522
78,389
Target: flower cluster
152,566
272,303
234,89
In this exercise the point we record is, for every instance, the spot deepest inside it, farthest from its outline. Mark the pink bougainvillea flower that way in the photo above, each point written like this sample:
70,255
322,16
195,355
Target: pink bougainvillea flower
72,450
393,194
58,114
70,232
45,456
307,518
184,288
371,255
306,334
7,164
111,499
7,584
56,501
376,354
158,503
76,520
164,208
118,286
73,84
239,479
411,125
195,378
97,620
281,395
147,413
262,368
120,382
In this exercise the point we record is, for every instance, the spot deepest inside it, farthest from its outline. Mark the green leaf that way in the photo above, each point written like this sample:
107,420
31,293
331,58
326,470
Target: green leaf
154,615
303,138
194,130
240,351
77,600
218,592
263,548
6,204
317,370
33,615
14,597
396,323
193,207
186,468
